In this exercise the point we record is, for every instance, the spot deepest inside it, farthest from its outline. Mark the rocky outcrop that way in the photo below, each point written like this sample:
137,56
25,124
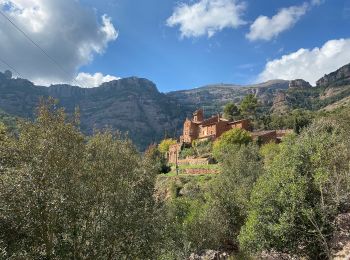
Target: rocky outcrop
280,104
132,105
299,84
213,97
340,76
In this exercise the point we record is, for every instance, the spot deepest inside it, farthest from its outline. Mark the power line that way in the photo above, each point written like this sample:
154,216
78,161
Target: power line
8,65
38,46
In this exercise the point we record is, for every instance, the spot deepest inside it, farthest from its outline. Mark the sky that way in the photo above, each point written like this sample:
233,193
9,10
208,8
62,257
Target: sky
176,44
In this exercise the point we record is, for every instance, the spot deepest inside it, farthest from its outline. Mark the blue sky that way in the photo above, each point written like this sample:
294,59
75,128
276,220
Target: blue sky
291,39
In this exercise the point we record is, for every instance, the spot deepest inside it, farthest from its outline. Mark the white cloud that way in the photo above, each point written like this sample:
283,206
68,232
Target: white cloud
93,80
206,17
265,28
68,31
307,64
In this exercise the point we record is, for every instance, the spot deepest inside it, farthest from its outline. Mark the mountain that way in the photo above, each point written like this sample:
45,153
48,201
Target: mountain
331,91
132,105
213,97
135,105
275,96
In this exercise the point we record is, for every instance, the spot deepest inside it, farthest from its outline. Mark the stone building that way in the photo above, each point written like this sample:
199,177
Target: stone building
211,128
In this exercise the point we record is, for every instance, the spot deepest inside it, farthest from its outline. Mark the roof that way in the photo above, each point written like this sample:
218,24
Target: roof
210,121
238,121
262,133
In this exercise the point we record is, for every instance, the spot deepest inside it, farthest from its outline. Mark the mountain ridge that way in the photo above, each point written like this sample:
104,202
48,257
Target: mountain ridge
135,105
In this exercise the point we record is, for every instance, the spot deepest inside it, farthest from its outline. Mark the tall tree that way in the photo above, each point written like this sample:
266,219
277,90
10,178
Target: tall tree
248,105
231,111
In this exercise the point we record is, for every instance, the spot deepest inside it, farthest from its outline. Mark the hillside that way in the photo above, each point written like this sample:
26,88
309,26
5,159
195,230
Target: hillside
330,92
213,97
275,96
132,105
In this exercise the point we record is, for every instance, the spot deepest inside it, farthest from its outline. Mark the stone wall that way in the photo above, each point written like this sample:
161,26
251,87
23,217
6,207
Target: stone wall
201,171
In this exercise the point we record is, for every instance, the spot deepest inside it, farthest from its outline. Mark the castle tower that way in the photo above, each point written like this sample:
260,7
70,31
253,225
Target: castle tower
198,116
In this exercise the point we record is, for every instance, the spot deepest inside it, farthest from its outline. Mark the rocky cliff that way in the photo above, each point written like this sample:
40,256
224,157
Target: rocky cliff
336,78
299,83
132,105
213,97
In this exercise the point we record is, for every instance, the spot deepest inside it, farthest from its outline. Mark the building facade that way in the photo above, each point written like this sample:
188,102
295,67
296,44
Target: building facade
211,128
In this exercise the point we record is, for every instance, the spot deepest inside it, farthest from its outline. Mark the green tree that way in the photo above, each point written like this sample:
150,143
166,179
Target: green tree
68,197
227,142
230,193
269,151
231,111
165,144
306,184
156,157
248,105
39,215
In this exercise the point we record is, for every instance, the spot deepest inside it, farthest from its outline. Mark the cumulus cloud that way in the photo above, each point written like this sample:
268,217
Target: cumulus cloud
93,80
309,64
206,17
265,28
69,32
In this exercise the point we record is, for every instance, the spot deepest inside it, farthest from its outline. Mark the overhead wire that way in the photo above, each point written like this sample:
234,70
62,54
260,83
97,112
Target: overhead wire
11,67
39,47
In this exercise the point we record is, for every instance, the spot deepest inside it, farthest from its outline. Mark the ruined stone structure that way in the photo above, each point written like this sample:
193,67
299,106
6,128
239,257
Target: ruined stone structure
211,128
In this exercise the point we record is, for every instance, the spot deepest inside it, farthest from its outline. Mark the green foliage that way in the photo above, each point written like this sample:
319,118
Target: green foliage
231,111
269,151
231,192
248,105
187,152
164,145
305,186
66,197
8,121
202,147
158,160
228,140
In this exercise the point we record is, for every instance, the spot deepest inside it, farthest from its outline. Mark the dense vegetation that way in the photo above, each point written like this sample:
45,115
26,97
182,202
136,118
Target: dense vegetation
64,195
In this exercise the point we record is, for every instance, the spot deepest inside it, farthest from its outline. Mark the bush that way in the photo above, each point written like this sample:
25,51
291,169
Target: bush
68,197
202,148
187,152
305,187
229,140
165,144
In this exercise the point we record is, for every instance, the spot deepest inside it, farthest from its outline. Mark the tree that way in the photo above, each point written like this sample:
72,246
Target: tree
40,195
248,105
165,144
294,204
158,160
69,197
229,140
269,151
230,194
231,111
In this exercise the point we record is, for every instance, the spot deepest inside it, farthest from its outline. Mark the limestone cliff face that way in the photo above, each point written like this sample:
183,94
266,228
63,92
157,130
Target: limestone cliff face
213,97
132,105
340,76
299,84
